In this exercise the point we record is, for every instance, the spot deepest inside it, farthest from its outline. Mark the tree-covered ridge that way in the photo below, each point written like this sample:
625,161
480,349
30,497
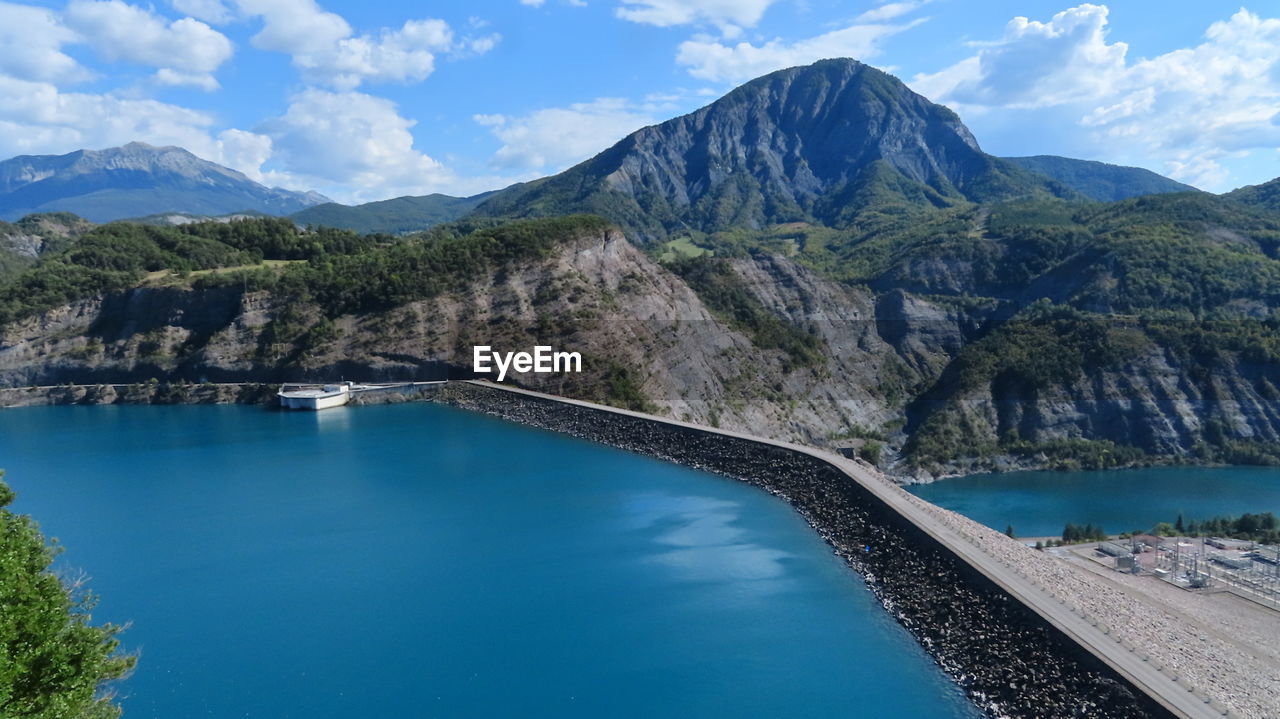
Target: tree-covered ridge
1265,195
397,216
340,270
1190,253
1099,180
390,273
119,255
54,664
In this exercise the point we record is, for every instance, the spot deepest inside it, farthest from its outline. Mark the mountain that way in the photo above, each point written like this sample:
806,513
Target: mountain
1266,195
135,180
807,144
1099,180
397,216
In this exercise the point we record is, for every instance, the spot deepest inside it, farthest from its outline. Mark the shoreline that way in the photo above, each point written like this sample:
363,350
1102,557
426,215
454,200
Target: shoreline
139,393
263,393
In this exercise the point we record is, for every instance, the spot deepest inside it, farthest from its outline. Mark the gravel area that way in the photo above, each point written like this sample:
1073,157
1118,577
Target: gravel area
1184,633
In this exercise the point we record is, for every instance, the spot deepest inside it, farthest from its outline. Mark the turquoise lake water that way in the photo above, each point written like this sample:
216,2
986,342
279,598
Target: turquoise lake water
417,561
1039,504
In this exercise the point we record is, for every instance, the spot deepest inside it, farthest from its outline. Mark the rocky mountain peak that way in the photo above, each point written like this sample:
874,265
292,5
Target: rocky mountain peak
807,128
800,144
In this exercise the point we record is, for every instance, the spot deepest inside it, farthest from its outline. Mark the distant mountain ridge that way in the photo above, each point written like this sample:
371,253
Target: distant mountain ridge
813,144
396,216
133,181
1099,180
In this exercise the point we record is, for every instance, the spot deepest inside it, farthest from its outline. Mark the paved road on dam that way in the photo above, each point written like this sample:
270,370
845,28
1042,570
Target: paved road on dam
1142,674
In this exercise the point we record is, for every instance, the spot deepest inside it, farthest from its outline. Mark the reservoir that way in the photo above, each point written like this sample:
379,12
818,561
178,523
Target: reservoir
416,561
1039,504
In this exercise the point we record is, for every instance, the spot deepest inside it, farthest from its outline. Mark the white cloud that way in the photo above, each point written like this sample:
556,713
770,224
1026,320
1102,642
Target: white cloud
889,11
175,78
357,143
186,51
1191,112
213,12
1036,64
481,45
533,3
728,15
710,59
551,139
326,50
38,118
244,151
31,41
352,146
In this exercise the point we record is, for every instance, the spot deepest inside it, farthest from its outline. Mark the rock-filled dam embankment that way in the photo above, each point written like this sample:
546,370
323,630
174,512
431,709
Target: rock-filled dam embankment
1008,660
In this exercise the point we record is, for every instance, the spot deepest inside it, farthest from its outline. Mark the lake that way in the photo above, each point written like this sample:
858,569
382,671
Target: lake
1039,504
416,561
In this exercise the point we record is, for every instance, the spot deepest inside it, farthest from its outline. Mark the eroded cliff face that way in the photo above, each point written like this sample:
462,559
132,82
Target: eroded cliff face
1155,401
636,324
648,339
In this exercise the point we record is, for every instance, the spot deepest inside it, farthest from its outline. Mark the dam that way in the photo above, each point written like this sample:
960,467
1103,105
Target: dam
980,617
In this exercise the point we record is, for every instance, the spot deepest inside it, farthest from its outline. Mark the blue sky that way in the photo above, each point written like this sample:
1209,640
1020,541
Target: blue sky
363,101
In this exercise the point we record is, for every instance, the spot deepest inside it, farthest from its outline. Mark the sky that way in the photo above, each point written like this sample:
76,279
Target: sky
369,100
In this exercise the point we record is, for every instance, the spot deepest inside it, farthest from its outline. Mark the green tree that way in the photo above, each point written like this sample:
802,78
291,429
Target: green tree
1071,533
53,663
1008,531
871,451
